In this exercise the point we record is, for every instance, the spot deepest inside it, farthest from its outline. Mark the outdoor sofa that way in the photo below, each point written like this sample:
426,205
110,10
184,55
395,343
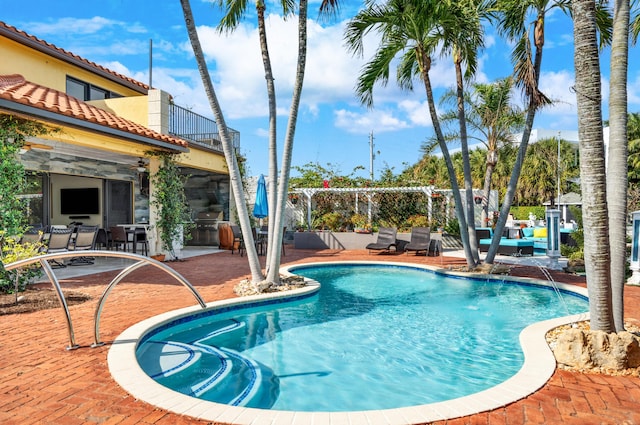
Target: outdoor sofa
511,243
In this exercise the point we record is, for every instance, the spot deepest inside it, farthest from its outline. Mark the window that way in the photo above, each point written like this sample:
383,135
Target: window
85,91
76,88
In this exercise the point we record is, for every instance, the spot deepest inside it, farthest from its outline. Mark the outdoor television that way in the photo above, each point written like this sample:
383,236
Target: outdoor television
80,201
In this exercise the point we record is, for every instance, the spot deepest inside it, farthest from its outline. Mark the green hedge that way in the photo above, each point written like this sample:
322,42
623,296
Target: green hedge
522,213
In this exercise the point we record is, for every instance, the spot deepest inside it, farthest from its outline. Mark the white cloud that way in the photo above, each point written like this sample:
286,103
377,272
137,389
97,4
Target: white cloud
558,87
379,121
330,73
633,92
418,112
83,26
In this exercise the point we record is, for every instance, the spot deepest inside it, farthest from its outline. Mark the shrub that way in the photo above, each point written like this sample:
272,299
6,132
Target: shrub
452,227
333,221
522,213
12,250
418,221
359,220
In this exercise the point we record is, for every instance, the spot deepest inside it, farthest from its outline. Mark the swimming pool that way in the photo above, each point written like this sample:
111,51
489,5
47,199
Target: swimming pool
384,358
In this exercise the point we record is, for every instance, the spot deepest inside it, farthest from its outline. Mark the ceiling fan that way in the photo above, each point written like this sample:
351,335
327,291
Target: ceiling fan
140,166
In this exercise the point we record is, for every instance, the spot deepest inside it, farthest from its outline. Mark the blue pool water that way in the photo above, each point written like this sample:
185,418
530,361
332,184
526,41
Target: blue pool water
374,337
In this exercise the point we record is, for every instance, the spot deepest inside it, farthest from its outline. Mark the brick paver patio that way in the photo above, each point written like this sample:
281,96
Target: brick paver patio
43,383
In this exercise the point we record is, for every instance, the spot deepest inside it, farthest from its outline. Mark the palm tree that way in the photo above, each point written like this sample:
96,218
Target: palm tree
616,176
513,16
273,271
592,166
463,36
278,188
538,180
234,12
412,30
227,146
633,126
635,24
492,119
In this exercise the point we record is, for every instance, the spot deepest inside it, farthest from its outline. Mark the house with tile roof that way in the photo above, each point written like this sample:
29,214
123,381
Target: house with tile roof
95,168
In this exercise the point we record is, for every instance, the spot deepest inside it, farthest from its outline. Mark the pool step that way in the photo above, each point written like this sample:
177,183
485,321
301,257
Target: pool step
204,370
165,358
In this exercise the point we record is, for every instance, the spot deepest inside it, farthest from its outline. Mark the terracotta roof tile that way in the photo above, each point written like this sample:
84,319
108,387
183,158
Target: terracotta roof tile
46,45
16,89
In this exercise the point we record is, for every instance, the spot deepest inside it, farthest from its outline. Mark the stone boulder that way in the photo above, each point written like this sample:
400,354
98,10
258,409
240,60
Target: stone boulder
586,349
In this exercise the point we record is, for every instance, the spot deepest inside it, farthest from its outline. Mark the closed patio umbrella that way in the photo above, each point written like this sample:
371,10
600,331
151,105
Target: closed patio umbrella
261,207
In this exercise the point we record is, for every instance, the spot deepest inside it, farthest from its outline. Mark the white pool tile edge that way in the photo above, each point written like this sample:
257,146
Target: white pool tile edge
539,365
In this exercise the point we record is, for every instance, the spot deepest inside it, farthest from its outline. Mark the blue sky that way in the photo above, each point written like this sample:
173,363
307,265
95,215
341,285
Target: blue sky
332,127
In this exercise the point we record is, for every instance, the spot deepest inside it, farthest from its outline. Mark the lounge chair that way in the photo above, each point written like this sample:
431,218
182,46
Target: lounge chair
420,240
386,240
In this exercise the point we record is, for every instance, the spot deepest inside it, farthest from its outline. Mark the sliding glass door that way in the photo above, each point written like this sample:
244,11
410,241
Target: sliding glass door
118,201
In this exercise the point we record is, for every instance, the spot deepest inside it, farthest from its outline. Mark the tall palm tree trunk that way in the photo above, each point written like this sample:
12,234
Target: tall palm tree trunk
486,189
512,186
283,184
536,99
271,94
425,65
592,166
466,166
617,181
227,146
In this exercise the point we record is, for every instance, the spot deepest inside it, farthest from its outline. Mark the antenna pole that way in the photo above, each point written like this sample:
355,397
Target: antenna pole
150,62
371,156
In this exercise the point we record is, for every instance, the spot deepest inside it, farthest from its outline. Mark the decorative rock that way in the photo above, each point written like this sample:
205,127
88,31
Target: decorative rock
245,287
596,349
571,349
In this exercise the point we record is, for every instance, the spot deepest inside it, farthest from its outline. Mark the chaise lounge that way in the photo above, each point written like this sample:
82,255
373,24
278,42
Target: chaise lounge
386,240
420,240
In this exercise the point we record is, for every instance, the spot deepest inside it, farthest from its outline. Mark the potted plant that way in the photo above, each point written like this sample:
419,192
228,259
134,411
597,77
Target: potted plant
360,224
173,218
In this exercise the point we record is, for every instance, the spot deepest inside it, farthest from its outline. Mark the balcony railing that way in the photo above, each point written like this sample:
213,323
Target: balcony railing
197,129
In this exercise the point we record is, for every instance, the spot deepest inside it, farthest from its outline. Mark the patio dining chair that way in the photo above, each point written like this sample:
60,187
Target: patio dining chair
257,241
140,238
59,239
118,237
237,238
85,240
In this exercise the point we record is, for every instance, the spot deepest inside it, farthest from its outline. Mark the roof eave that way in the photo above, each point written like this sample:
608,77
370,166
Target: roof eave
70,59
62,119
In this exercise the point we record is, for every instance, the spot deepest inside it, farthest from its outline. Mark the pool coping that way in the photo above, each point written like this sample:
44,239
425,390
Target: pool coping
539,365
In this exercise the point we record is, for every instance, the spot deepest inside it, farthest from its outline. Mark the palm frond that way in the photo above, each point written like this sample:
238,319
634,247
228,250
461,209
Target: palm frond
604,23
635,20
234,12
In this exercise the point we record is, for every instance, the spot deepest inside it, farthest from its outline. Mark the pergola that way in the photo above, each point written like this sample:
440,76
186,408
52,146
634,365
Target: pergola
309,192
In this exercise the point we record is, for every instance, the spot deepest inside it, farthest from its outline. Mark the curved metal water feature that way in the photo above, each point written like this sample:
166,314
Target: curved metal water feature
141,261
